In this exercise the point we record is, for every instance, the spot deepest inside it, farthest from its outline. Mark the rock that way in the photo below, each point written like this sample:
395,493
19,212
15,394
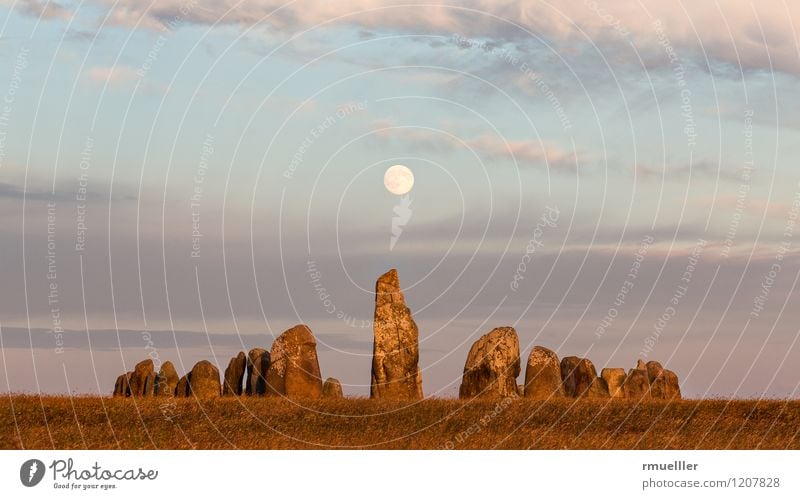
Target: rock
672,389
182,388
492,365
294,370
142,381
663,382
543,374
395,353
204,380
614,378
166,380
578,375
636,386
332,389
658,388
654,370
258,361
234,374
640,365
598,389
122,387
521,390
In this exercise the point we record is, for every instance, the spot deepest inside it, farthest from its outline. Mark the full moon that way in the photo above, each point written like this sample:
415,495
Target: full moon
398,179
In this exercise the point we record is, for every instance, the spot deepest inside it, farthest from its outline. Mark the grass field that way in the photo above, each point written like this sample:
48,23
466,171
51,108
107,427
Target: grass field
32,422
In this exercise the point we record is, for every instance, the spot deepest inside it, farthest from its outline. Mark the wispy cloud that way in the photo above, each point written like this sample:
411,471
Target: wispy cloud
115,76
524,153
753,36
43,10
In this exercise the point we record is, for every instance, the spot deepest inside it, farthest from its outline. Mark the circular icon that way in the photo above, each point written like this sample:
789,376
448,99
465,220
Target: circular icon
31,472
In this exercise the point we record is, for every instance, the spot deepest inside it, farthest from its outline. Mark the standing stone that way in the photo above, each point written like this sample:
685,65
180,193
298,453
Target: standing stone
663,382
294,370
614,378
492,365
122,387
654,370
543,374
332,389
636,386
672,389
142,381
395,352
258,361
521,390
166,380
658,388
598,389
640,365
234,374
182,388
204,380
578,375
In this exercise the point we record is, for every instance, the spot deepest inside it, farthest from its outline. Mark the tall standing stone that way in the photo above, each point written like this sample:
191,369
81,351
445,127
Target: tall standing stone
492,366
615,379
543,374
294,368
142,381
234,374
258,361
578,376
166,380
395,353
182,388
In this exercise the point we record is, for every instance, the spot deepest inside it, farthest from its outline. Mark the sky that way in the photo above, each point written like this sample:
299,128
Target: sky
183,180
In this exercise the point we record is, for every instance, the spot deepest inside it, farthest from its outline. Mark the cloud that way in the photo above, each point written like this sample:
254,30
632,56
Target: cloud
43,10
116,76
531,153
756,36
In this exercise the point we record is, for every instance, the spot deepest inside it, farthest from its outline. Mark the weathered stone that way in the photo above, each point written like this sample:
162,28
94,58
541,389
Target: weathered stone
663,382
492,365
182,388
654,370
294,370
543,374
658,388
332,389
258,361
672,389
204,380
640,365
234,374
521,390
122,387
615,379
598,389
578,375
636,386
142,381
395,354
166,380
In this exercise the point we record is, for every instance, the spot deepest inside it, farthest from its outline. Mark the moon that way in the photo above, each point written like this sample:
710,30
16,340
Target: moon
398,179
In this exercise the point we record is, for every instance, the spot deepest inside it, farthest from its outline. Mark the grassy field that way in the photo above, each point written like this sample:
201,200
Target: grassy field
32,422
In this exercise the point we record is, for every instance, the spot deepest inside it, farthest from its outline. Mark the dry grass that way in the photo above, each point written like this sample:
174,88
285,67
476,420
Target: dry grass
105,423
